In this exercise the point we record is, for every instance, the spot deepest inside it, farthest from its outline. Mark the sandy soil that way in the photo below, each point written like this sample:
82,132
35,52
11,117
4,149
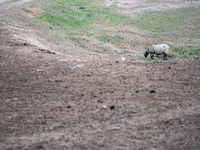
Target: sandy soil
48,102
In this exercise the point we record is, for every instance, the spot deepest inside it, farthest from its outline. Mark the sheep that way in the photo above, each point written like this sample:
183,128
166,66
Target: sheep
158,50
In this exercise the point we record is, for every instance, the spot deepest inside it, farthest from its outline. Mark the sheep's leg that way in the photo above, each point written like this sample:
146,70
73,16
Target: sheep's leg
152,56
165,57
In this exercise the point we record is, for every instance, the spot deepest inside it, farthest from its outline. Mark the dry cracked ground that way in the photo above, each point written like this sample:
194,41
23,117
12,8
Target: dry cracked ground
50,102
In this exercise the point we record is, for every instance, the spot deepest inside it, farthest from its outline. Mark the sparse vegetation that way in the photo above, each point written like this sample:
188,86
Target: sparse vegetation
180,23
86,25
186,51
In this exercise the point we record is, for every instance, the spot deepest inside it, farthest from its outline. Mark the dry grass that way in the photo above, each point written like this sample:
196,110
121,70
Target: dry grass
30,12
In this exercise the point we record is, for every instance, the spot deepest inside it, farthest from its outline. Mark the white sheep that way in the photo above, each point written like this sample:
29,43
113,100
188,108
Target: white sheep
158,50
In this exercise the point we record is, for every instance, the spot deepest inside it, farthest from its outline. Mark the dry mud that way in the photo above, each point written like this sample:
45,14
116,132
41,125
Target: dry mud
48,102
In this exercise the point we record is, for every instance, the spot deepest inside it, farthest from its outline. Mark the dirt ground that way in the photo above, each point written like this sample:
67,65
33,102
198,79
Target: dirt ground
50,102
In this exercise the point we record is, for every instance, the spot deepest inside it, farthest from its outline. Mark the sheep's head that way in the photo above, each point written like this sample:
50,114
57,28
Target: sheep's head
146,53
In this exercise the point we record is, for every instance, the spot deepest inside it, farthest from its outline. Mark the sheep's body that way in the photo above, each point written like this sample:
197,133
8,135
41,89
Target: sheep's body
158,50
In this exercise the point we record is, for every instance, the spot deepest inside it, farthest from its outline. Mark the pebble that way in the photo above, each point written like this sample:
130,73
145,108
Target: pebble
13,141
112,107
62,60
123,58
104,106
80,65
152,91
39,145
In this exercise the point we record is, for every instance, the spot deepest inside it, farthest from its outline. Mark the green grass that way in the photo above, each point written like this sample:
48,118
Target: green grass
180,23
78,23
78,14
72,13
186,51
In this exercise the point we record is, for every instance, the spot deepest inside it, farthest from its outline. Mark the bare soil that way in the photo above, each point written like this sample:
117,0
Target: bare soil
48,102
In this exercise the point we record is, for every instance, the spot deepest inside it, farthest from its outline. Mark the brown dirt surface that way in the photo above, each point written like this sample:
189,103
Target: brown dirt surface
48,102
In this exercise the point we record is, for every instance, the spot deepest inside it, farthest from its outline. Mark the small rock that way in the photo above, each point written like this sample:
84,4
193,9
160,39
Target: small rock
62,60
39,145
147,86
112,107
80,65
169,67
13,141
42,49
137,91
58,80
44,122
123,58
104,106
69,106
117,62
73,67
100,101
48,51
152,91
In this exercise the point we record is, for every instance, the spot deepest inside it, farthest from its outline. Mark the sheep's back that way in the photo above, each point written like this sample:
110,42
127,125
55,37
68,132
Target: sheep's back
159,49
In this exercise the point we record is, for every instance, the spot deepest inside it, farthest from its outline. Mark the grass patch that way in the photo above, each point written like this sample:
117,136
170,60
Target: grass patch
81,24
111,39
79,14
187,51
180,23
73,13
82,45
